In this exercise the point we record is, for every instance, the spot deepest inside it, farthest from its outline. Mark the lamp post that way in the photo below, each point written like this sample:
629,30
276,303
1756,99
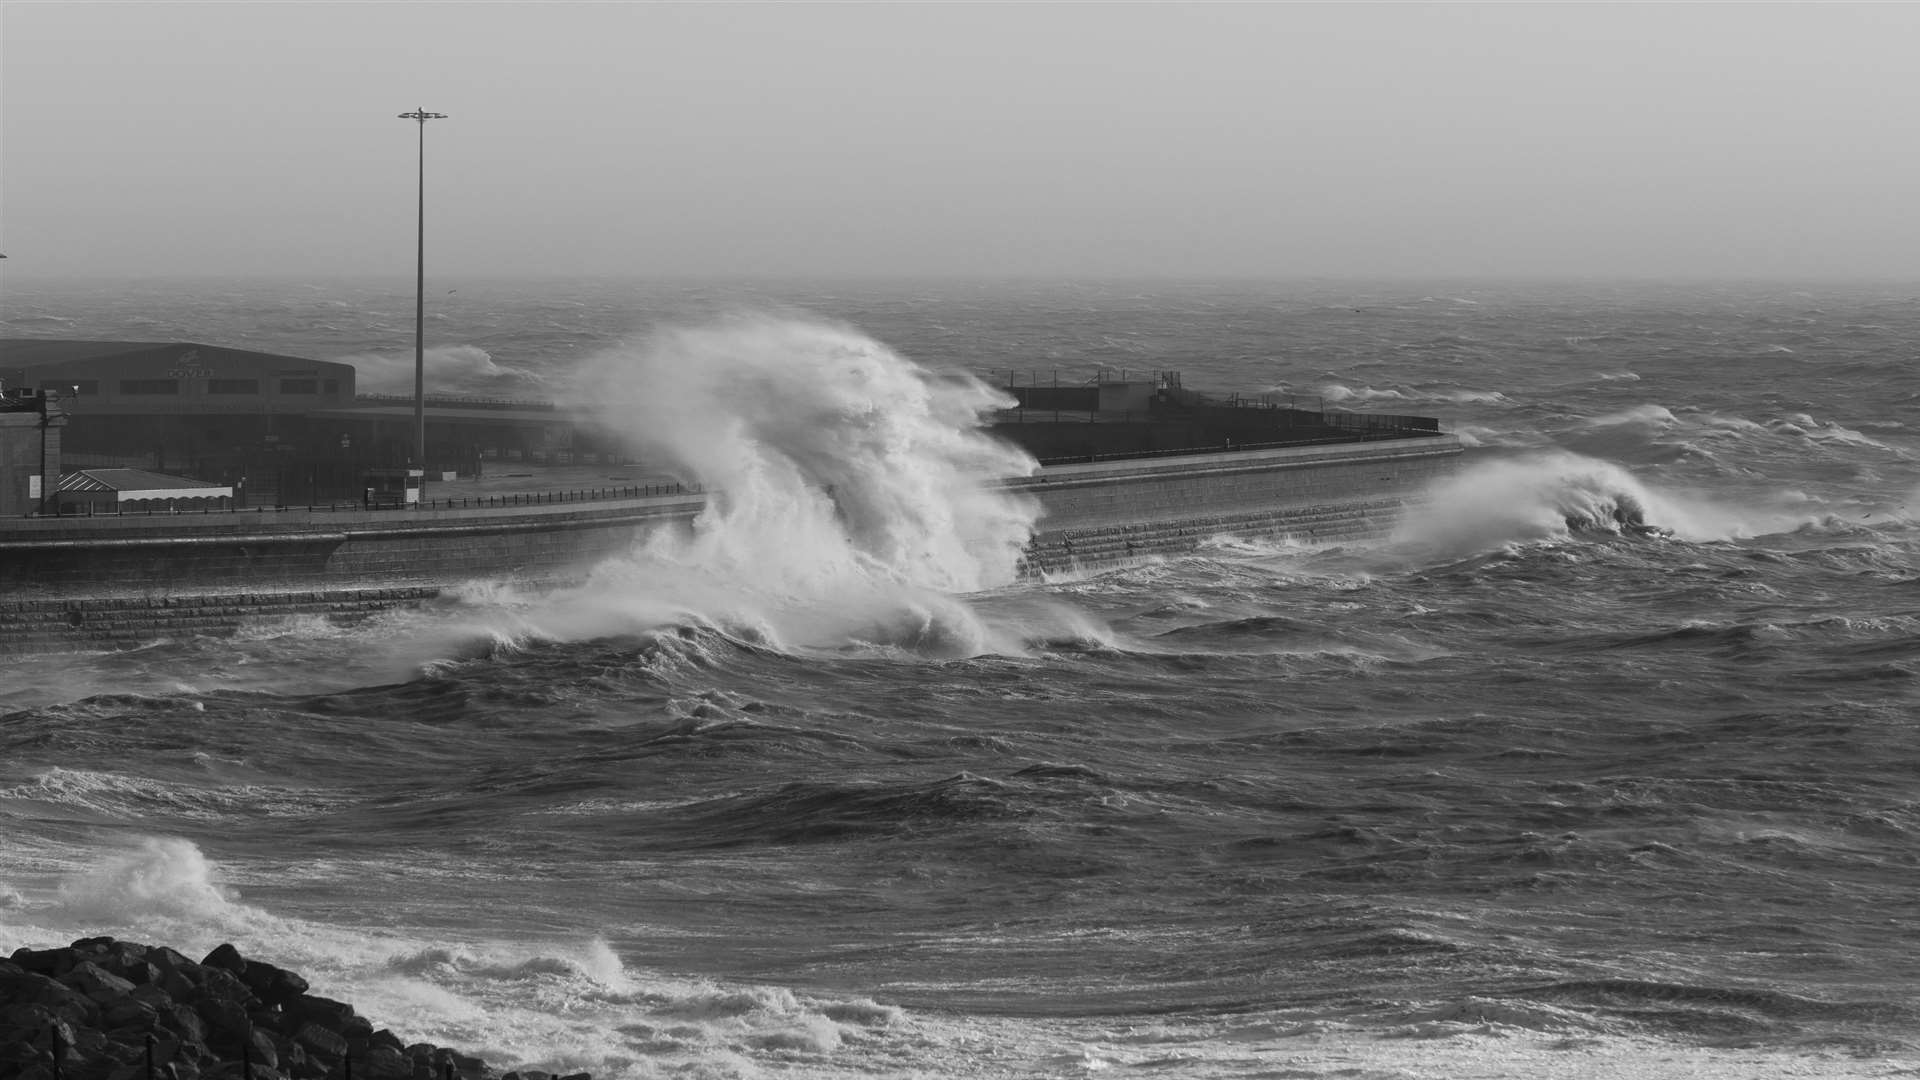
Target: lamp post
420,299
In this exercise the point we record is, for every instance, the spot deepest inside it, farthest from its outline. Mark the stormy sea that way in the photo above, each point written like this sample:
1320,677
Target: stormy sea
1515,792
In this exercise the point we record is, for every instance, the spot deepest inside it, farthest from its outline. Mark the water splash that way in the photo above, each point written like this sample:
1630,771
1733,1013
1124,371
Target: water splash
851,493
460,369
1542,496
161,877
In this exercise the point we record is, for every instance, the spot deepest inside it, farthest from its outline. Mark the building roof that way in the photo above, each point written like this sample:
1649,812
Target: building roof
127,481
38,352
31,352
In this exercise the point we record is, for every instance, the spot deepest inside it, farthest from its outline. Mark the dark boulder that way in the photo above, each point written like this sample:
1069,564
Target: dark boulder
321,1042
227,1023
128,1013
53,962
100,1002
96,982
63,1001
259,1045
275,986
226,958
326,1012
184,1023
168,960
385,1063
218,984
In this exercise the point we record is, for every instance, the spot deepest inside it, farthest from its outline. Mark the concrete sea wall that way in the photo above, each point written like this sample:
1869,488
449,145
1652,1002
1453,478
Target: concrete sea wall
1109,512
69,584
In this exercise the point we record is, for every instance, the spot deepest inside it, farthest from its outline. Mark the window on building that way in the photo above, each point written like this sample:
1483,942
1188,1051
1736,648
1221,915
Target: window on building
149,386
299,386
74,386
233,386
331,386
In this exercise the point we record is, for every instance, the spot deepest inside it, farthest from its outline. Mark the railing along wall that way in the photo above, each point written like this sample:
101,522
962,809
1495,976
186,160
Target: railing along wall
465,502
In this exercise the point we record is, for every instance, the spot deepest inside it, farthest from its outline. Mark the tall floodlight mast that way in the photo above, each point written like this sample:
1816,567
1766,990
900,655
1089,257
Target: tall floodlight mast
420,299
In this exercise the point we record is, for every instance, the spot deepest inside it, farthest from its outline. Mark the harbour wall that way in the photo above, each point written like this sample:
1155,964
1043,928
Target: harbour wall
1103,513
89,583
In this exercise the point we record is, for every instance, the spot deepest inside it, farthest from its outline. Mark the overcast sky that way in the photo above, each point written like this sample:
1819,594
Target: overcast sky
979,139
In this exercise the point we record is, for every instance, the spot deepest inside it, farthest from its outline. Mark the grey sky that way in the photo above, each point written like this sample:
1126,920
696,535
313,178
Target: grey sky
975,139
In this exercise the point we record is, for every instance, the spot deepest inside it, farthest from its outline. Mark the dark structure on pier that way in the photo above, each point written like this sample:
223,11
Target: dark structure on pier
1132,414
286,431
278,429
32,423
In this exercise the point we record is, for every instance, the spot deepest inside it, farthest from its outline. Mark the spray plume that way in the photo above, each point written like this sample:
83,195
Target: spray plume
850,491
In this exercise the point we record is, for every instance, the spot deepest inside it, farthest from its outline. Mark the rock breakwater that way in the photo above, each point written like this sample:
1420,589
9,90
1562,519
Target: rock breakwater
102,1009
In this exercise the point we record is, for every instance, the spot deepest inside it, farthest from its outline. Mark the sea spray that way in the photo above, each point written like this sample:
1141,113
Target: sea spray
559,1006
850,492
1545,495
461,369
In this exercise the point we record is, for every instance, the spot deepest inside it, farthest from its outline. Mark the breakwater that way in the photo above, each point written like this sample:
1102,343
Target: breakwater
1104,513
101,1009
69,584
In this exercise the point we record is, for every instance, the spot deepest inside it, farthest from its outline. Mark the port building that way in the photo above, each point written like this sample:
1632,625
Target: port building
290,431
278,429
31,425
120,491
175,406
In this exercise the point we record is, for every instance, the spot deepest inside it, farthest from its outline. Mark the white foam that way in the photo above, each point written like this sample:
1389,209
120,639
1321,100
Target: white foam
1335,392
1540,496
122,796
1651,416
572,1006
851,494
459,368
160,877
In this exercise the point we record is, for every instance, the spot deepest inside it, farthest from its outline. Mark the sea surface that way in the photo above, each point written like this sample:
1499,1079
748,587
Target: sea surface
814,791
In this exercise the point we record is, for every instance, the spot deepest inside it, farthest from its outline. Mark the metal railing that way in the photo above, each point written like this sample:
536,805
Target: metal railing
460,402
465,502
1229,446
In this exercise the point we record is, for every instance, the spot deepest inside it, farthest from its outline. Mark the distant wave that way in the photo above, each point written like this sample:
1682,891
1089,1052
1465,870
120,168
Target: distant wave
461,369
1543,495
1339,394
136,798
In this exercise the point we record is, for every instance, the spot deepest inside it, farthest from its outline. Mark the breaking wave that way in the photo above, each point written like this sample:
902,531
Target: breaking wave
1541,496
851,493
454,369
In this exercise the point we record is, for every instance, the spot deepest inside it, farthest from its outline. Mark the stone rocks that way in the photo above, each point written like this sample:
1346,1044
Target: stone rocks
104,1005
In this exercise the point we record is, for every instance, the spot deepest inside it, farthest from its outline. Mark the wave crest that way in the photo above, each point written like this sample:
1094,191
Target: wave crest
1544,496
851,493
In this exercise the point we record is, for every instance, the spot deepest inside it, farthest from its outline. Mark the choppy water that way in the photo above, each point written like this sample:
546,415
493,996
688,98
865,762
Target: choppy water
1513,783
